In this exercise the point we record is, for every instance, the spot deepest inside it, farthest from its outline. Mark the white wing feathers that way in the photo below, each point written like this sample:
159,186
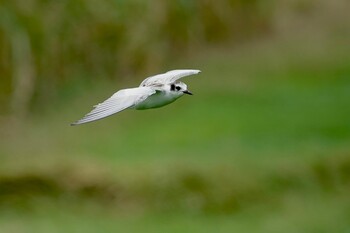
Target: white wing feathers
128,98
168,77
120,101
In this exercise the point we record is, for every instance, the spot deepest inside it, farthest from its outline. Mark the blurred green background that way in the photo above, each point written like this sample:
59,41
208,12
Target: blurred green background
262,146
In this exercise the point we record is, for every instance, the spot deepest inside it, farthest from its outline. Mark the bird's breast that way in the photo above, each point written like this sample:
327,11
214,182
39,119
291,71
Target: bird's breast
156,100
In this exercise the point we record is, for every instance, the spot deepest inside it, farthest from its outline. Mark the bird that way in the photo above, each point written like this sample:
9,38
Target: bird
154,92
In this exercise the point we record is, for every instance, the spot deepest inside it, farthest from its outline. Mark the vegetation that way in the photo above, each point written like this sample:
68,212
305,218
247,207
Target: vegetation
48,45
262,146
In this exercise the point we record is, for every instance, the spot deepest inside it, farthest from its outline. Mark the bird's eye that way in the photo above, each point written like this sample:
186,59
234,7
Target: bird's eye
172,87
178,88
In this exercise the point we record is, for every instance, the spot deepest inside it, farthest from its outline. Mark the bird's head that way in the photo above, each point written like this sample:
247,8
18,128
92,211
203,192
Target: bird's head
180,88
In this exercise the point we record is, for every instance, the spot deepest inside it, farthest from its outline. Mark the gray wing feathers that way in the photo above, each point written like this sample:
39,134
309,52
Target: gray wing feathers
174,75
118,102
168,77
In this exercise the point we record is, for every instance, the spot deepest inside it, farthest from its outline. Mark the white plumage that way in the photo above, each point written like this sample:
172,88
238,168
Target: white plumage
155,91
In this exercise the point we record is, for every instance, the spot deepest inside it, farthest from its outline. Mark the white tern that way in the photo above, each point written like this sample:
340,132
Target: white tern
154,92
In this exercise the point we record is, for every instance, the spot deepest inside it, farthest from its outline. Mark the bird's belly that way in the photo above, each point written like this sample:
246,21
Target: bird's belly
155,101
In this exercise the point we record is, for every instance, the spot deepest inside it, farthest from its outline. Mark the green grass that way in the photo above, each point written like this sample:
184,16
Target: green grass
296,214
262,146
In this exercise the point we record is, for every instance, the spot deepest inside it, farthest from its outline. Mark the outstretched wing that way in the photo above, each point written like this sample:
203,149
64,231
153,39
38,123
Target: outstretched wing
120,101
168,77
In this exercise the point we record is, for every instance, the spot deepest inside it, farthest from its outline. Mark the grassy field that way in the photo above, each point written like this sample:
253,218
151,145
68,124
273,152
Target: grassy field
262,146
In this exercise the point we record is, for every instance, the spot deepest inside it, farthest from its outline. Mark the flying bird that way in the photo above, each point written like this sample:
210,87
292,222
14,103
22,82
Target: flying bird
154,92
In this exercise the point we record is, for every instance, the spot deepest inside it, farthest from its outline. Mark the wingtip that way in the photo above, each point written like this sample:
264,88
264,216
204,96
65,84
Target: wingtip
189,70
196,71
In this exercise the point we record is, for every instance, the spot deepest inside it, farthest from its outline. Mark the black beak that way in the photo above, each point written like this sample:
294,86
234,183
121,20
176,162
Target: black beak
187,92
